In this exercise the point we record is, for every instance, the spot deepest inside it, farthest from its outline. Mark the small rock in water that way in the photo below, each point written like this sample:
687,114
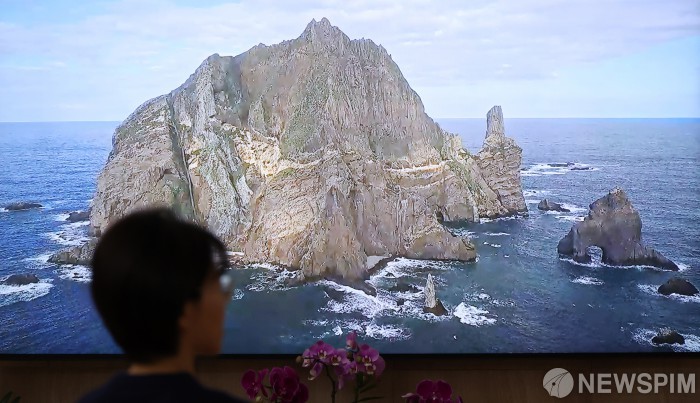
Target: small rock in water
77,216
547,205
400,301
679,286
668,336
404,287
21,279
20,206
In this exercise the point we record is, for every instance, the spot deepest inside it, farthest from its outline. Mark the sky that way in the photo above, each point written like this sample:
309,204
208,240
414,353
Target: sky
64,60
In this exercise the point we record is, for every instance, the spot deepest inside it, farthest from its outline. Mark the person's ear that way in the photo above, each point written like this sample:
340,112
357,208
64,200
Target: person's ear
186,318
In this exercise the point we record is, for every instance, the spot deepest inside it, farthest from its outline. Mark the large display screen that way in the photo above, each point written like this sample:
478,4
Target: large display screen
440,177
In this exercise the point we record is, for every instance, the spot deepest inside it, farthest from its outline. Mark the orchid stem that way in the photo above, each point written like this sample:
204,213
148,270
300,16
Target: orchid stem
358,386
330,377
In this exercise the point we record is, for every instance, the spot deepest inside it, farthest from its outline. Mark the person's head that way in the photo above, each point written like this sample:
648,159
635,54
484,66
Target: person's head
156,284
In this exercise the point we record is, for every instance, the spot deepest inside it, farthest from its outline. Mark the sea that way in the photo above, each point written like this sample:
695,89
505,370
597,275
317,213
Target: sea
519,297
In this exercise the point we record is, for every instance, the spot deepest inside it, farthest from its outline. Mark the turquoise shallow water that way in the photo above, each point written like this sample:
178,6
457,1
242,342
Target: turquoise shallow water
519,296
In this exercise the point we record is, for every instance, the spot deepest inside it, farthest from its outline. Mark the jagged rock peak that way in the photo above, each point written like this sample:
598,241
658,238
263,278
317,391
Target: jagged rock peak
494,122
323,30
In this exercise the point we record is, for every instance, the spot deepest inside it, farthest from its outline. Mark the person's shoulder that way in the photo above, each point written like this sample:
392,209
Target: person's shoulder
103,393
167,387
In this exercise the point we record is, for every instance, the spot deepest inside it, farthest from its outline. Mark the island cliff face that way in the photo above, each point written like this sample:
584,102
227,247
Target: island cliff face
314,153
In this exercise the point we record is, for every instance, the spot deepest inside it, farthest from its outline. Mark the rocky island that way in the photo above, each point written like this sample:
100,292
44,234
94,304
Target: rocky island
614,226
314,154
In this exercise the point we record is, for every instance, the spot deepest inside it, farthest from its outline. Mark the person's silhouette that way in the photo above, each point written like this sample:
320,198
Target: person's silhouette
161,286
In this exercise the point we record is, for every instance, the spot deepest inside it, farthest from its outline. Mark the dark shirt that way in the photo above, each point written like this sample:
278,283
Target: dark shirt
166,388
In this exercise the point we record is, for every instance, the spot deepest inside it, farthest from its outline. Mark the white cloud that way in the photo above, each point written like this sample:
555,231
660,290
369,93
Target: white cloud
150,47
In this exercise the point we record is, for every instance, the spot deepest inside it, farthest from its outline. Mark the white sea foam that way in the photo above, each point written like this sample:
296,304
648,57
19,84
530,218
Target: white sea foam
379,332
73,234
484,298
403,267
591,265
357,301
273,278
540,169
574,208
644,336
496,233
495,245
473,316
394,269
537,192
268,266
654,290
3,210
61,217
38,262
587,280
81,274
237,294
637,267
364,329
315,322
463,232
571,218
682,267
9,294
486,220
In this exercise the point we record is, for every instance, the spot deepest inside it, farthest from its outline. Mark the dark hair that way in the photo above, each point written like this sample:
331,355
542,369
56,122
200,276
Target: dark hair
145,267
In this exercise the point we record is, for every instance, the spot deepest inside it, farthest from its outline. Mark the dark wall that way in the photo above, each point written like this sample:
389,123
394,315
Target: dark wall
478,379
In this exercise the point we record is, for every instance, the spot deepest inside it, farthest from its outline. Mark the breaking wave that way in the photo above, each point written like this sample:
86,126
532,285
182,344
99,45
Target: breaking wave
10,294
473,316
585,280
654,290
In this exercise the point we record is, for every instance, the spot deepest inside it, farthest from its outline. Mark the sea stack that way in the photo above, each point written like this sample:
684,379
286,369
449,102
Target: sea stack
314,154
432,303
499,160
614,226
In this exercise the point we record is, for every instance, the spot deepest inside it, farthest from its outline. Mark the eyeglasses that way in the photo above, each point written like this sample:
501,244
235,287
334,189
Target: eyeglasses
226,281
